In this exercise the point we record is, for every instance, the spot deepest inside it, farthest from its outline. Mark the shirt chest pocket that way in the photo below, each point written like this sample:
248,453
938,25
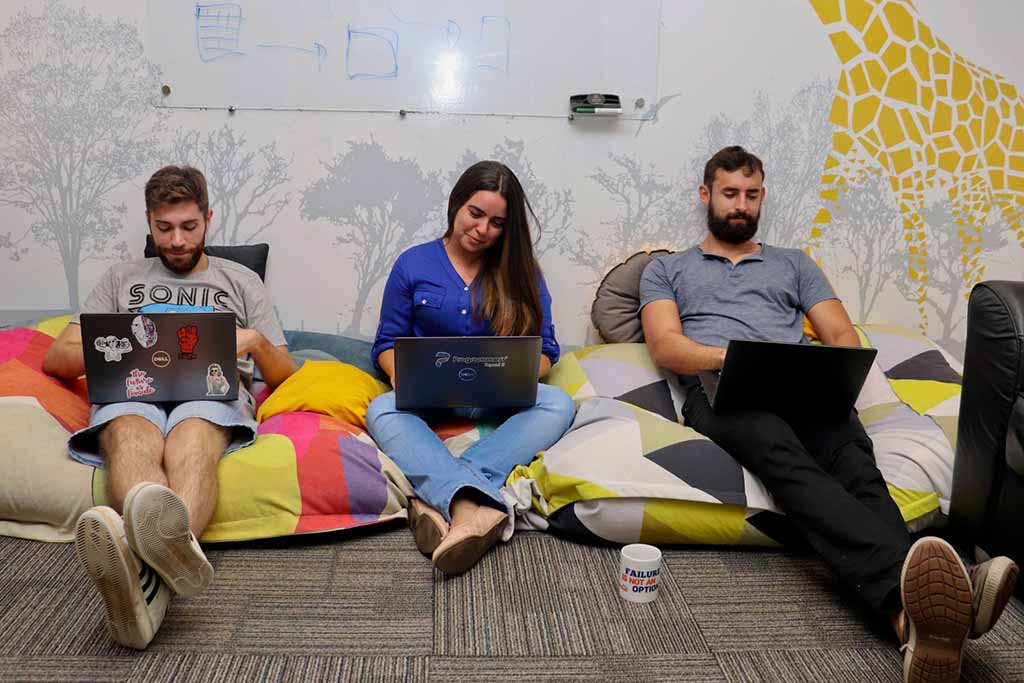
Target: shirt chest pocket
428,297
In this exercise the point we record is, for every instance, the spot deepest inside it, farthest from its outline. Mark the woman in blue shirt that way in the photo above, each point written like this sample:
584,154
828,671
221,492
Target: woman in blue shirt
479,279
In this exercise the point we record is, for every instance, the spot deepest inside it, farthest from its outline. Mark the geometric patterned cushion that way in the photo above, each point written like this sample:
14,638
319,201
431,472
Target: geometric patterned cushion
627,471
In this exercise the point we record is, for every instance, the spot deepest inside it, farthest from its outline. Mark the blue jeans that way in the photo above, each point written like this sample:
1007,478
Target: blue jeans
437,475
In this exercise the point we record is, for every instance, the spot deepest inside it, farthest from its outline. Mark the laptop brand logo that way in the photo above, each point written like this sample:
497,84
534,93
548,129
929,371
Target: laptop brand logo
467,374
161,359
441,357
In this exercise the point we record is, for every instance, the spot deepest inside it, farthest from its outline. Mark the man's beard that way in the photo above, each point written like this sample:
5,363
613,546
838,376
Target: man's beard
732,233
186,267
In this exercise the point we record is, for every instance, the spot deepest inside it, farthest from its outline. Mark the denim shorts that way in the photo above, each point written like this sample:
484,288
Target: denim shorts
239,415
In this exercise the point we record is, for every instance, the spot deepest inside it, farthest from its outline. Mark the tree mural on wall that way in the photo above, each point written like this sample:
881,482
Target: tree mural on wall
791,139
245,184
554,207
651,213
952,253
867,245
381,205
76,122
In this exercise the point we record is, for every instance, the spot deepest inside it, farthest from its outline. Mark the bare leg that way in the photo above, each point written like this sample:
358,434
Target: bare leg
133,448
191,454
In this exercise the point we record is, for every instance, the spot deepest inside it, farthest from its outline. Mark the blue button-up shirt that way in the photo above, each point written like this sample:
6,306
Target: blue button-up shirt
426,297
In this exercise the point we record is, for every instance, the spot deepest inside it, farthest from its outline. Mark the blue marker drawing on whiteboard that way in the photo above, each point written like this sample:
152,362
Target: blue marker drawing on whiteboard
372,53
495,37
452,31
318,51
218,31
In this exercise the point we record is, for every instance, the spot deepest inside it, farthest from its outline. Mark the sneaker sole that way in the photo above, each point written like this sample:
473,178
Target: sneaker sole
103,558
461,556
425,530
996,592
940,619
156,524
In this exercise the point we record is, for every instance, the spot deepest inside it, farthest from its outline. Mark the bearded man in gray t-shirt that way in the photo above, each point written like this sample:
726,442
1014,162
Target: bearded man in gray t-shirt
161,458
821,473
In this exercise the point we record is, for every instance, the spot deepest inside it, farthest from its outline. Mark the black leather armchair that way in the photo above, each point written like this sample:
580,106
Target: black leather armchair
987,505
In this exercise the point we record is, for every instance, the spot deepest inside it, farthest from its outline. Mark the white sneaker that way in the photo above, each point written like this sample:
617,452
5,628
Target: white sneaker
135,597
157,528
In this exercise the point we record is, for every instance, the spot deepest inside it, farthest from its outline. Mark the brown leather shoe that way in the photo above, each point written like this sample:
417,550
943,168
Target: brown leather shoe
427,524
466,543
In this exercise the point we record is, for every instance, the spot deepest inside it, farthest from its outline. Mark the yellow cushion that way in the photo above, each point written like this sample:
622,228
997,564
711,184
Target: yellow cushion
53,326
328,387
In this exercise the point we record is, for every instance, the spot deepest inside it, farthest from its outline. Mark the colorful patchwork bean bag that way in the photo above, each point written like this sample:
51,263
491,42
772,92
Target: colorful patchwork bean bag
628,471
306,472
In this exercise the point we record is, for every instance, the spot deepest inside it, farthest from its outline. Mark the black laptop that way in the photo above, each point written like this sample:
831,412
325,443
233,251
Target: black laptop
156,357
466,372
789,379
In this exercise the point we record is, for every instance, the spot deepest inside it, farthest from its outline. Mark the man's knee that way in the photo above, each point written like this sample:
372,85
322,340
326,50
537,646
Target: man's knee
130,430
195,437
757,431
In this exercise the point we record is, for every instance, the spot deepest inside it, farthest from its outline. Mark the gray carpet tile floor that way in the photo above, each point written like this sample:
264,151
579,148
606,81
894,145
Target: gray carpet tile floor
369,607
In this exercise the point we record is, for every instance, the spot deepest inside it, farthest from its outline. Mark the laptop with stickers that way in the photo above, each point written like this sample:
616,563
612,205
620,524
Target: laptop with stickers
157,357
466,372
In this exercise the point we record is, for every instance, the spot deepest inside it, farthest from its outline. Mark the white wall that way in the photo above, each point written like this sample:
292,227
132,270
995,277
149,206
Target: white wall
759,74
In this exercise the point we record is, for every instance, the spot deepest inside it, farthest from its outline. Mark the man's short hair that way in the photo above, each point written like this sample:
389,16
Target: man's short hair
174,184
730,159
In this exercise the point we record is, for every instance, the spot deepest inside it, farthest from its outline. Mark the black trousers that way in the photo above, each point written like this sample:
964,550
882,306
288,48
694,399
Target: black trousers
824,477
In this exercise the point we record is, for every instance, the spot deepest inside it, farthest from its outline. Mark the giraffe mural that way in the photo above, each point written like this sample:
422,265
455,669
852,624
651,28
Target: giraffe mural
931,119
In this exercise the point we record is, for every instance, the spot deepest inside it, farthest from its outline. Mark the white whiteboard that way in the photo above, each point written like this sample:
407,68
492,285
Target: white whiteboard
458,56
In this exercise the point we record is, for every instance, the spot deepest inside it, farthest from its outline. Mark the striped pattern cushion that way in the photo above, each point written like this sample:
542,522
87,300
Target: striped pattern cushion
305,473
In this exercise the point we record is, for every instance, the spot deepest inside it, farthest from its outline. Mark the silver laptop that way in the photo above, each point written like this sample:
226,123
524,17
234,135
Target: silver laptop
811,380
466,372
156,357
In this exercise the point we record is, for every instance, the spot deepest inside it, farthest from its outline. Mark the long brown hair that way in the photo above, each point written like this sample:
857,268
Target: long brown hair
506,291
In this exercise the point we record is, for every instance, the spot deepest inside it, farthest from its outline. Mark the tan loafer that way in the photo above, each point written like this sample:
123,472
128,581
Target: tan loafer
466,543
427,524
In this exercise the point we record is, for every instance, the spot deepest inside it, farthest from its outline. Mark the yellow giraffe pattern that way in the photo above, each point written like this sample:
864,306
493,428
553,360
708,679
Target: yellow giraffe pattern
930,118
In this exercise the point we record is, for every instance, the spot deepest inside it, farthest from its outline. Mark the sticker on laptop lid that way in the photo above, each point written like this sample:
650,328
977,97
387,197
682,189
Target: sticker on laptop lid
188,337
216,383
138,383
112,348
144,330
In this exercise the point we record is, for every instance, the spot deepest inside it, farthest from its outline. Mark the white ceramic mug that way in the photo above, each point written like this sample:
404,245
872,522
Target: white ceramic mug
639,567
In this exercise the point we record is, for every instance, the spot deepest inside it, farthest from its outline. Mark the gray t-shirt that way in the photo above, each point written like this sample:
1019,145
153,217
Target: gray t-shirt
761,298
147,286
